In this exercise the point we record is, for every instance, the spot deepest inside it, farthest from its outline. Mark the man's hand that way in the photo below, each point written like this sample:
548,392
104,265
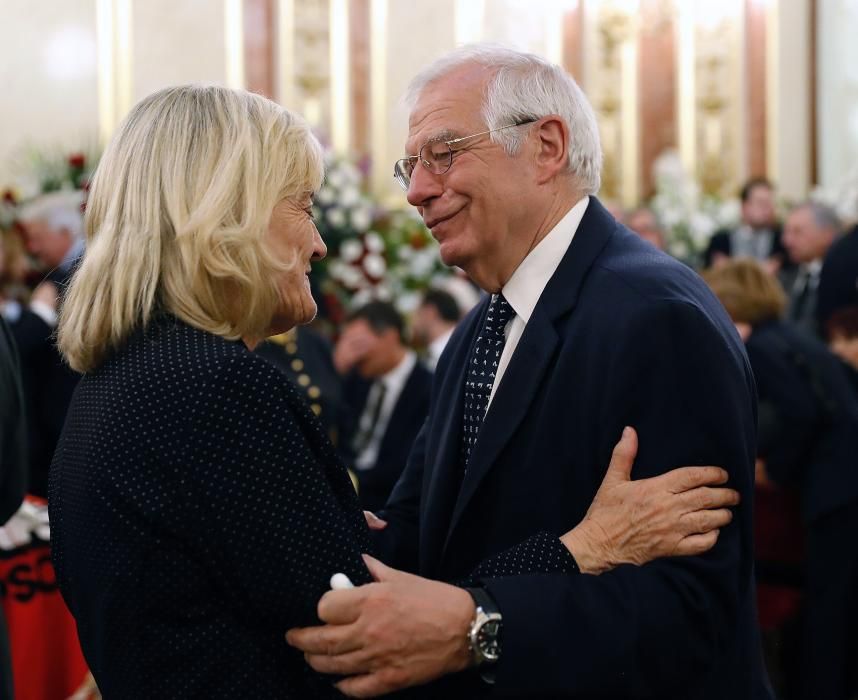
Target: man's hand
354,344
633,522
761,475
403,630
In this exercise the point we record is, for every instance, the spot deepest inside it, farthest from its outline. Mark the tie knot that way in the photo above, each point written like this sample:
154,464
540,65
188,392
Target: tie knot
500,312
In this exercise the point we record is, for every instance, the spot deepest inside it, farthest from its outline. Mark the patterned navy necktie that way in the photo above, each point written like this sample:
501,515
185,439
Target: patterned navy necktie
481,372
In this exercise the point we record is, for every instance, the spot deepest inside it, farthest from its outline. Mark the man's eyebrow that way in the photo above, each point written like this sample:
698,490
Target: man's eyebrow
443,135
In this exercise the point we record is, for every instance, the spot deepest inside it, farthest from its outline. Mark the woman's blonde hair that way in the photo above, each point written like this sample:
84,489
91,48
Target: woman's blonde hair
177,216
749,293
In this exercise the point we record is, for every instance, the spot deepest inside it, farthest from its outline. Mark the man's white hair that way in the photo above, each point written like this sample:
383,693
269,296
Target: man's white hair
525,86
59,210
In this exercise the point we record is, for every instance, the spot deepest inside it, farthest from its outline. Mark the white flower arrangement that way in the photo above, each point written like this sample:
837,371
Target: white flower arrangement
373,253
688,216
841,196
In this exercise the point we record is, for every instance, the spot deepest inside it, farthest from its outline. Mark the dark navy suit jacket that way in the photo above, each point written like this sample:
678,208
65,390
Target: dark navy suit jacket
622,335
811,438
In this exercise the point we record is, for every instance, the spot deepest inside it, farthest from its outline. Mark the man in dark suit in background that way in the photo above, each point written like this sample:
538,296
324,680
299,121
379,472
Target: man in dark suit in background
13,466
809,231
387,389
758,236
53,226
838,280
587,329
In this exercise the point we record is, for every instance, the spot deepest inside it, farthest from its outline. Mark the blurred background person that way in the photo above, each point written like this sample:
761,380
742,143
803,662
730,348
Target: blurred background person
809,231
838,279
387,390
13,467
53,230
644,222
757,236
841,329
433,323
808,439
13,273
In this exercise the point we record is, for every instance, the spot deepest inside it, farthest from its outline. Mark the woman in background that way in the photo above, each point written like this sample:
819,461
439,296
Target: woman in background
807,440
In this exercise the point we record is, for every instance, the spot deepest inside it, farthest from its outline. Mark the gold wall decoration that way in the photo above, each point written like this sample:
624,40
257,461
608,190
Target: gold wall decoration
612,87
719,96
114,32
312,61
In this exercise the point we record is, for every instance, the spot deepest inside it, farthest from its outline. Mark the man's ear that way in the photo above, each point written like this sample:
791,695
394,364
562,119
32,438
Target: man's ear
552,147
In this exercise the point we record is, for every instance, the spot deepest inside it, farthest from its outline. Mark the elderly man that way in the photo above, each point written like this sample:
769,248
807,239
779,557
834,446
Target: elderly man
53,226
810,230
587,330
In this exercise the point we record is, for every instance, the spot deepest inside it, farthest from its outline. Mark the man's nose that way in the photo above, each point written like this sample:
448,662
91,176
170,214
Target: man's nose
424,185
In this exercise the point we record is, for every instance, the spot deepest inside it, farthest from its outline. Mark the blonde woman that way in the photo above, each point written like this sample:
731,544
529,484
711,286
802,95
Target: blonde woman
197,508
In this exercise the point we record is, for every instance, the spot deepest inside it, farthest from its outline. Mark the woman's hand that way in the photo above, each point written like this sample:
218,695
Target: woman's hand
678,513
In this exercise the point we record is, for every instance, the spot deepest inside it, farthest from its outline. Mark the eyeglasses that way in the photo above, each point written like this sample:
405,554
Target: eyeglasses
437,156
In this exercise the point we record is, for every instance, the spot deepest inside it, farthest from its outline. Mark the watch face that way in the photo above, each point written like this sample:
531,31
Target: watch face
488,640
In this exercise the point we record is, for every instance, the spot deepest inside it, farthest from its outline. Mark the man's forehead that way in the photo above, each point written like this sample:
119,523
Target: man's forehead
441,123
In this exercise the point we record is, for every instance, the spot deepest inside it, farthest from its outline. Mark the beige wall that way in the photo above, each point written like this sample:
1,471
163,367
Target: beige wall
48,68
70,69
177,42
837,90
65,85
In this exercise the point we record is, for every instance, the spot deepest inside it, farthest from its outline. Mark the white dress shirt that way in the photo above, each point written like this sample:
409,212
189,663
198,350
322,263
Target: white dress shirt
527,283
436,347
394,382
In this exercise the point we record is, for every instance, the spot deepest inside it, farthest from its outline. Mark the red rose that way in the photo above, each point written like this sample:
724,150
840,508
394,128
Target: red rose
77,160
9,196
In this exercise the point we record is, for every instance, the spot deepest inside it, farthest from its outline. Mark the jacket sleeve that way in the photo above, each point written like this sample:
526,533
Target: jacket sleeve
278,516
397,545
791,418
652,630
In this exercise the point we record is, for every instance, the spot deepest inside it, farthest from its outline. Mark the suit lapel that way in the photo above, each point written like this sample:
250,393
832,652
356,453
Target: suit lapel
535,351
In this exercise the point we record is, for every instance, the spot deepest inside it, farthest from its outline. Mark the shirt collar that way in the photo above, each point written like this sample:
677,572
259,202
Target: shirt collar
527,283
399,374
438,345
813,268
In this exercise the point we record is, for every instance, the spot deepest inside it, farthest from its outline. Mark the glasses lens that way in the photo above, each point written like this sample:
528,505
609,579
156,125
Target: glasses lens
402,172
437,157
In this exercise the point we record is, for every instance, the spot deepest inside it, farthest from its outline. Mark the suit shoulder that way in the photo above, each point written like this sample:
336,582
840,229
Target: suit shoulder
170,352
642,272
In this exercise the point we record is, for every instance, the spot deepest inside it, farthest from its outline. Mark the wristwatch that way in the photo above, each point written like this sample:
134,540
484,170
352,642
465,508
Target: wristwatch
484,636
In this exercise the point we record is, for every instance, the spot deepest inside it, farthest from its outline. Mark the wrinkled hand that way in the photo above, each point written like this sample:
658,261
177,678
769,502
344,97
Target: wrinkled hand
403,630
633,522
374,522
